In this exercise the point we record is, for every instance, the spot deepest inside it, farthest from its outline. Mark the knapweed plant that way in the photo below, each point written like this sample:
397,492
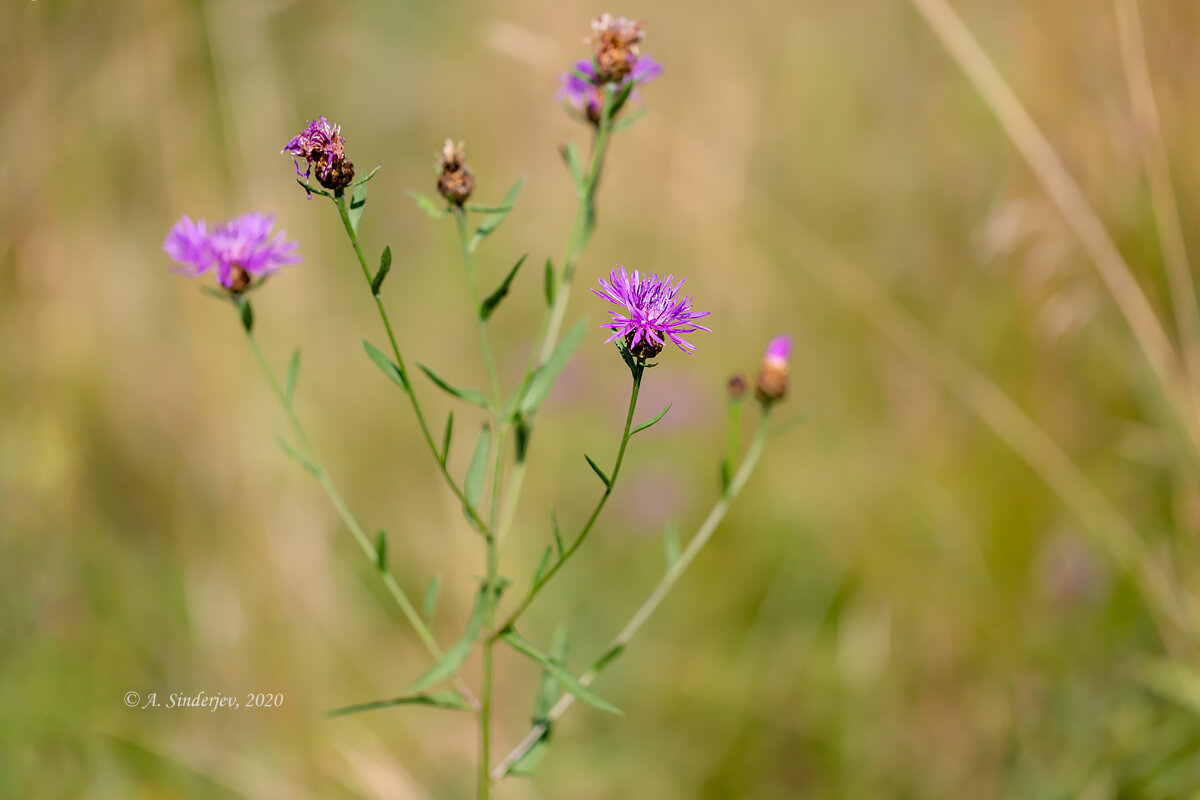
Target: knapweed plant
651,317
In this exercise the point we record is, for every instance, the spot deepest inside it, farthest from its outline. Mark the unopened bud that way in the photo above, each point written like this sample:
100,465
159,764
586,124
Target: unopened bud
773,374
737,387
455,181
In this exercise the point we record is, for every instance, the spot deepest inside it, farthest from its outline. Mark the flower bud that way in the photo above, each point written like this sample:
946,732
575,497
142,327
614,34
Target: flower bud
335,176
737,387
455,181
773,374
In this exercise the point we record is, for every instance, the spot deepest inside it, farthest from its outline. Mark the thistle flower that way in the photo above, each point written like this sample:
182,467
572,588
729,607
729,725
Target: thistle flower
455,181
239,249
584,90
322,147
652,311
616,42
773,374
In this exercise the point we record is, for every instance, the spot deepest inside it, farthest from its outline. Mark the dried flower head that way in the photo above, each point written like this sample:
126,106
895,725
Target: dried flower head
240,249
615,40
773,374
652,311
322,147
585,91
455,181
737,387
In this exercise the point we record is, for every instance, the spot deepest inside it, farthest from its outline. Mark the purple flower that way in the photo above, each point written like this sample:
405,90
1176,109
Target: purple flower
585,91
320,143
239,249
651,312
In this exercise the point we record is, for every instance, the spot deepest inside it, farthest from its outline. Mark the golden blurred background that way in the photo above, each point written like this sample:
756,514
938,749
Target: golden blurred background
915,597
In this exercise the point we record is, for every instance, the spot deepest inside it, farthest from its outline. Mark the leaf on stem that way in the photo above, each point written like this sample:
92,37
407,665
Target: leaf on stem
450,700
358,201
671,545
787,424
477,470
650,421
385,266
388,366
558,540
528,761
293,374
607,658
570,154
427,205
366,177
544,377
492,221
549,286
492,300
626,356
217,294
629,119
454,657
479,209
469,395
431,597
247,314
446,436
292,453
543,566
548,690
726,475
598,471
312,189
381,550
561,674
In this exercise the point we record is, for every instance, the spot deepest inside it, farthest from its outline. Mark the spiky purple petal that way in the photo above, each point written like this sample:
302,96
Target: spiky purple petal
652,309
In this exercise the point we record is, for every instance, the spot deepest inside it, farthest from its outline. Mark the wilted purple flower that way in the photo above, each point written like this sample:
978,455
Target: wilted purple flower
239,249
616,41
773,374
585,91
320,144
652,311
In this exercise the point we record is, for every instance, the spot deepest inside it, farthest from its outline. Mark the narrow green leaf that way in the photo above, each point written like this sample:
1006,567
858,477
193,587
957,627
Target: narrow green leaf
626,356
451,700
358,201
598,471
478,209
620,97
787,424
477,470
558,540
431,598
385,266
247,314
628,120
543,566
547,694
217,294
651,421
366,177
469,395
544,377
454,657
726,475
291,452
525,765
609,656
561,674
430,207
492,300
549,287
312,189
570,154
293,374
522,432
387,365
446,436
381,550
492,221
671,545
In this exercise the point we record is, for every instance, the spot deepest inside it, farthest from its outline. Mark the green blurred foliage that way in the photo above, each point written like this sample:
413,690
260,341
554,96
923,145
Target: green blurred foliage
897,606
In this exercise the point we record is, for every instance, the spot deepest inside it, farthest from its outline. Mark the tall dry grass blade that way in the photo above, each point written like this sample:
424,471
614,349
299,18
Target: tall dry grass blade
1078,214
1162,193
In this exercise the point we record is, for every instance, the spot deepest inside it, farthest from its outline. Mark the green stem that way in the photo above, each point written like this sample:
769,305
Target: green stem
578,541
460,219
715,516
340,202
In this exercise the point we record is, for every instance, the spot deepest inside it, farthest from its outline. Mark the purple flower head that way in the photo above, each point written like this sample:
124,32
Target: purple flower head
651,311
585,91
320,143
779,349
239,249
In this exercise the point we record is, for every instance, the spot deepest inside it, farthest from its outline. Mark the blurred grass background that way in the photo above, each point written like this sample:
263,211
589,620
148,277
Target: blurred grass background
898,606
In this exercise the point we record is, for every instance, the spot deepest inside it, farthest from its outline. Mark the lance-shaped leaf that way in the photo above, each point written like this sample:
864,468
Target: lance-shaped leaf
358,201
558,540
446,436
525,765
543,566
387,365
549,282
312,189
469,395
570,154
247,314
450,700
726,475
607,657
385,266
628,120
434,210
492,300
366,177
544,377
596,468
381,550
649,422
492,221
561,674
431,598
291,452
293,374
480,209
626,356
454,657
477,470
548,689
